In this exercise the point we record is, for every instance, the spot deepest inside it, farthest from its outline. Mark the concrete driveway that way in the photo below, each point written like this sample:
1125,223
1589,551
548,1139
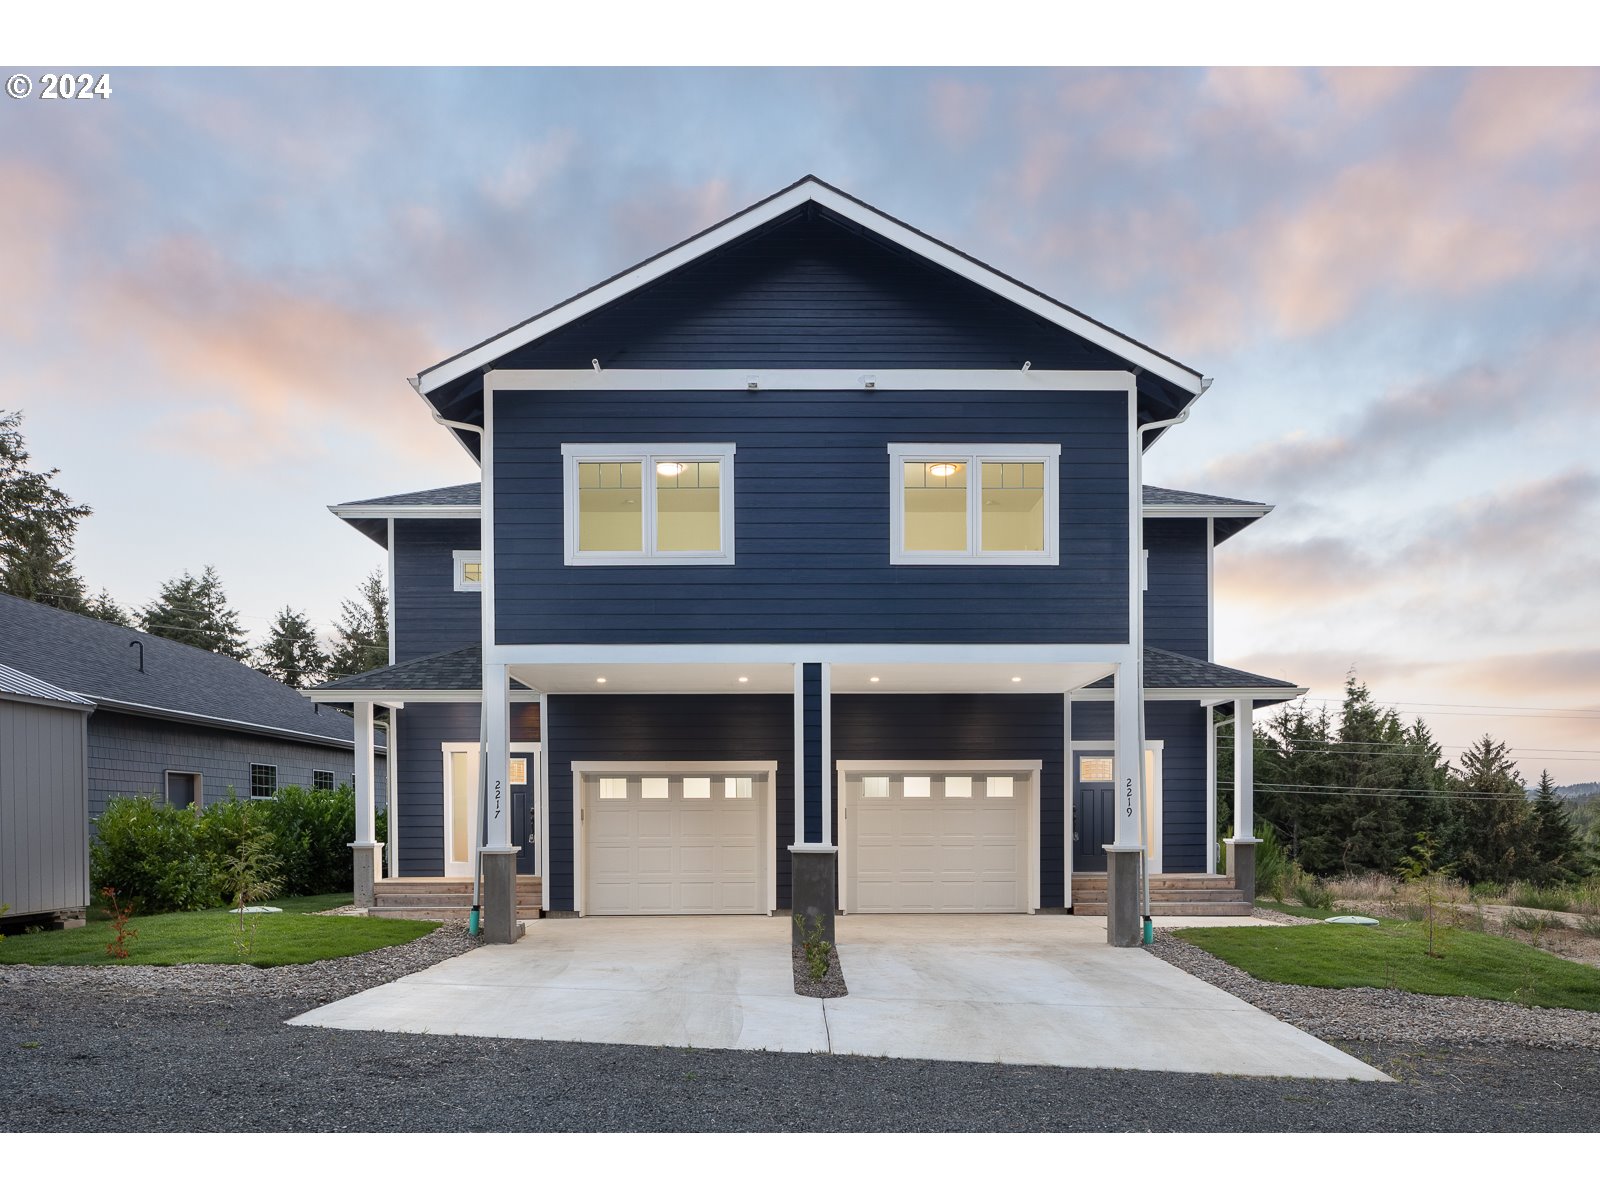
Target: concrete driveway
1012,989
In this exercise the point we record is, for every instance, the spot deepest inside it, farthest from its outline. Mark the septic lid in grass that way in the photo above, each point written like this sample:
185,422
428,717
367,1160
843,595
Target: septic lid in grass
254,908
1348,921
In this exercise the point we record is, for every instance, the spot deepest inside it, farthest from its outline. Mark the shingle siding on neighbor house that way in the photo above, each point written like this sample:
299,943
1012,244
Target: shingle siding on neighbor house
44,841
655,728
955,727
420,731
130,755
1176,602
812,522
430,615
1181,726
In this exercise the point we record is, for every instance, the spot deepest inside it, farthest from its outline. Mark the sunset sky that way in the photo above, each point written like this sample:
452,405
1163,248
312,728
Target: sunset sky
218,281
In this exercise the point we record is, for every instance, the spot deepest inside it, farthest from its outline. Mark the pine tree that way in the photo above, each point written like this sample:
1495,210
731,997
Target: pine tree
1557,854
361,633
1497,822
196,612
38,522
103,608
291,654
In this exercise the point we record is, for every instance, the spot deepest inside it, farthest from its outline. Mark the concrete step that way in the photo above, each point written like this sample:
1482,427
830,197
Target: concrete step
445,913
1230,908
445,887
1158,882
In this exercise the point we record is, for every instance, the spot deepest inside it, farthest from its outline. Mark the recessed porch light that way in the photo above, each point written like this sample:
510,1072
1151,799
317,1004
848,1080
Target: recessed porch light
874,679
601,679
744,679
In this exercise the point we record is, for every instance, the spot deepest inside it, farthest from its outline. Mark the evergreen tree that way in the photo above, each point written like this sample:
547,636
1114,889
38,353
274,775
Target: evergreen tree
1497,822
361,633
103,608
196,612
38,522
291,654
1556,850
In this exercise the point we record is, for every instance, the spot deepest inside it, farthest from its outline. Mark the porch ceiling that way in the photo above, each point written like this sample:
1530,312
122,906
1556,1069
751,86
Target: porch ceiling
699,678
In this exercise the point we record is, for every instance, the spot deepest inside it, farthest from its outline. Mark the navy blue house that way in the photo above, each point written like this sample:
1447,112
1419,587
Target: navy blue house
810,535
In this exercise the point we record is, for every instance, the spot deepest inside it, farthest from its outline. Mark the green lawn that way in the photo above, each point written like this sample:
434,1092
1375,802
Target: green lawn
1394,955
208,937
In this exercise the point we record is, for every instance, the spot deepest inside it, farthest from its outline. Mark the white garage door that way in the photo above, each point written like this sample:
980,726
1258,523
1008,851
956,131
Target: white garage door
932,842
660,844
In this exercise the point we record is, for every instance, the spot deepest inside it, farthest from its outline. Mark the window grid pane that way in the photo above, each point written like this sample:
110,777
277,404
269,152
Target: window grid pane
321,781
688,506
263,781
934,499
1013,506
611,506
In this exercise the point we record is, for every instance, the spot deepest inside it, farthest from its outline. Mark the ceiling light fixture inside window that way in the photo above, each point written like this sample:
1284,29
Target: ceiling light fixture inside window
744,679
669,469
943,469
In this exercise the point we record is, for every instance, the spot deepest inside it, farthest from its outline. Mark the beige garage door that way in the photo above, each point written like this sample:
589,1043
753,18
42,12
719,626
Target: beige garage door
932,842
659,844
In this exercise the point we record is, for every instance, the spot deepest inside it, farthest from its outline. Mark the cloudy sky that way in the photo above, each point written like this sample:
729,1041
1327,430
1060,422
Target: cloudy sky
217,283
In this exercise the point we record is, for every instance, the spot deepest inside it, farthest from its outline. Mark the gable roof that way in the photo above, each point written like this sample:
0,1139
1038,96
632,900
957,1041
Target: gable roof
809,190
179,682
19,685
1167,670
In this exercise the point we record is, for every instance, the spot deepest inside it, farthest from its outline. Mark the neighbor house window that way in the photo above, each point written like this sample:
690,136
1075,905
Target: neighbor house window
468,570
263,781
954,505
665,504
322,781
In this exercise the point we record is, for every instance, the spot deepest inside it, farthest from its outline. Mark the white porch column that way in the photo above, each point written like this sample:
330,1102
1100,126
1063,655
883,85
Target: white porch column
1069,790
1211,788
498,858
367,852
1242,846
1124,857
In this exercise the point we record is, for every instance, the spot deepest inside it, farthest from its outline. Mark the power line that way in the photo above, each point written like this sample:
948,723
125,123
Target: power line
1592,712
1331,790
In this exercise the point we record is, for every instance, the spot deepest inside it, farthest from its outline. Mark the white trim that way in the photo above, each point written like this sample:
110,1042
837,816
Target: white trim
768,849
808,190
543,835
252,779
1211,594
421,512
458,577
1201,695
935,766
825,775
1207,510
800,754
1156,793
807,380
199,786
486,515
1067,794
394,612
973,455
647,455
1211,788
525,654
474,753
392,786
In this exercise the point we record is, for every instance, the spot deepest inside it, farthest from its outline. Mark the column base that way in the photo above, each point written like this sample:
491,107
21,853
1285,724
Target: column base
499,898
368,870
1242,865
1123,924
814,888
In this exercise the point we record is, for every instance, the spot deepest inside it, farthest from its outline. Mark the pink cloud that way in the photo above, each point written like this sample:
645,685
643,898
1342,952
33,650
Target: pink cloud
36,211
958,109
1505,114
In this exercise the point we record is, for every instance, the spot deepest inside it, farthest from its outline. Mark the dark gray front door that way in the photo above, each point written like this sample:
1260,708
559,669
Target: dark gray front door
1093,818
522,822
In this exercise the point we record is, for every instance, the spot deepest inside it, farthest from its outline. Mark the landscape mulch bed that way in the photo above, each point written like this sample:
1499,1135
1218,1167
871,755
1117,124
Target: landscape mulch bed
829,987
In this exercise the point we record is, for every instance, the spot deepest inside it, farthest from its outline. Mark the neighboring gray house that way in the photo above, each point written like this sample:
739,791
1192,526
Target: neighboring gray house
44,814
174,721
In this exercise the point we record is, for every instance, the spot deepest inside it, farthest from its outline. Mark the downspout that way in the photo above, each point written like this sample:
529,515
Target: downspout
483,718
1138,650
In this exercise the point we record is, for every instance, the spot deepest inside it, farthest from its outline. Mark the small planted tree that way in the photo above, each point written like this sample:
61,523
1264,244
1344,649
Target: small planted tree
248,870
1427,875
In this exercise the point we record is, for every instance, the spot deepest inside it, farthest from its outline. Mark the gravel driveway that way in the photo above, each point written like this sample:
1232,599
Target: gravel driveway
115,1051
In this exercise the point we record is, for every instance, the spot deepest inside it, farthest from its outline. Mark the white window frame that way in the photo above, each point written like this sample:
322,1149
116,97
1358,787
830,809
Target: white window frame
647,455
273,767
333,779
972,455
460,558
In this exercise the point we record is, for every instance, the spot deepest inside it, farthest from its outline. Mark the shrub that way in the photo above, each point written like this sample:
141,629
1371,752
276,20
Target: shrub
154,856
1308,890
311,836
1272,865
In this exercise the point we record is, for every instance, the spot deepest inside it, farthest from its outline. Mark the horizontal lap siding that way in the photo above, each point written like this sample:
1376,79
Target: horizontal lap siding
966,727
1175,605
130,756
665,728
430,615
812,522
423,729
1181,726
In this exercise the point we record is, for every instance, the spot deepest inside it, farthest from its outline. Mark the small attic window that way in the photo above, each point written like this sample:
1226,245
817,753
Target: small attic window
468,570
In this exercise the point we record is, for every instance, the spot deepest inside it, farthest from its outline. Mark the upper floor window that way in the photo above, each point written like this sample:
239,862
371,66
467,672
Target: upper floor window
627,504
468,570
964,504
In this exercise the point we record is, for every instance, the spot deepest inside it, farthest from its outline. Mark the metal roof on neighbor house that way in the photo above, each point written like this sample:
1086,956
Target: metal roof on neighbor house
179,683
19,685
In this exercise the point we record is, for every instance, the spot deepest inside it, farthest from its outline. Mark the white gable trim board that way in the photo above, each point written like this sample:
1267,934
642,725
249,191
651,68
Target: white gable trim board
807,191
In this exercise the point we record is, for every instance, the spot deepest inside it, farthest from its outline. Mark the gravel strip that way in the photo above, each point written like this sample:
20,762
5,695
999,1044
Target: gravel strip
1279,918
312,983
829,987
1387,1015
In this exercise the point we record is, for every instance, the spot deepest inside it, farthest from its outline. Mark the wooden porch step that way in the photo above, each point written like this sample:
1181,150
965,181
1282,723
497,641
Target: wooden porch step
1158,882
